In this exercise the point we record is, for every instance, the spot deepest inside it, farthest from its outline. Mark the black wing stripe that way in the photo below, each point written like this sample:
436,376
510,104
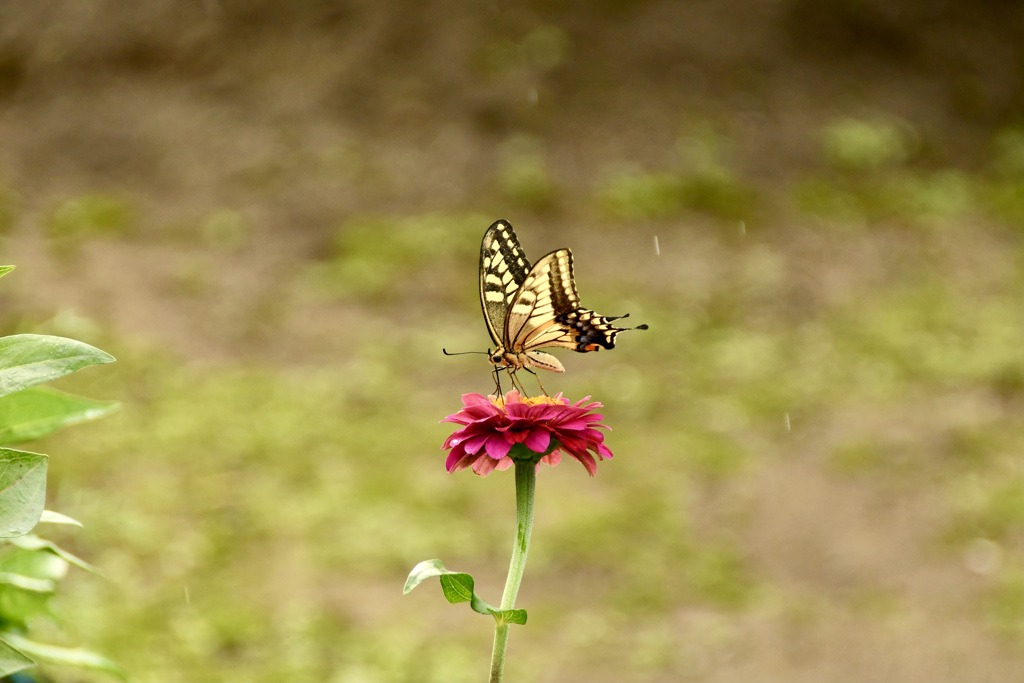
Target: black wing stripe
503,267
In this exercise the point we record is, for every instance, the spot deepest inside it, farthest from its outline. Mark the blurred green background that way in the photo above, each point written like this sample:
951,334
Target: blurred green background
271,213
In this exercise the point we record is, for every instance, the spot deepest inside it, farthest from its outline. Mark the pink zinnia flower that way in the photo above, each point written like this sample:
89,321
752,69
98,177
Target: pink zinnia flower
497,430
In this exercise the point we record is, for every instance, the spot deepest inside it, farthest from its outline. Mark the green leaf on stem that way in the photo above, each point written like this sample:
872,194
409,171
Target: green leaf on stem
65,655
12,659
3,271
510,616
33,542
22,491
37,411
458,587
29,359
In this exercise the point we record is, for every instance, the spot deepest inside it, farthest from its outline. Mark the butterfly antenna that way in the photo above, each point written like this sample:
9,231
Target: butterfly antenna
460,353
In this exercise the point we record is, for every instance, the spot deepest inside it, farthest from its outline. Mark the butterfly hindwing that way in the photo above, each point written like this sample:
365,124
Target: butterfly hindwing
503,268
547,312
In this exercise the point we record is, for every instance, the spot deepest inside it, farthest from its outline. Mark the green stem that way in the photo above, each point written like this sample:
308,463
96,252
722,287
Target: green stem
526,480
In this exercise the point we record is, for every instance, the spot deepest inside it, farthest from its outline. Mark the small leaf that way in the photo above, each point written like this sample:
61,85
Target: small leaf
37,411
458,587
57,518
3,271
22,491
11,659
33,542
66,655
421,572
29,359
511,616
27,583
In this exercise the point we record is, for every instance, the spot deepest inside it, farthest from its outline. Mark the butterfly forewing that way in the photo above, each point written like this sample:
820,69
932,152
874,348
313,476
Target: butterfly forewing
503,268
547,293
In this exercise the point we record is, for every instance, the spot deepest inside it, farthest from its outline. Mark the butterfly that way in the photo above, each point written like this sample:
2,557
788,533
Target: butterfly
528,308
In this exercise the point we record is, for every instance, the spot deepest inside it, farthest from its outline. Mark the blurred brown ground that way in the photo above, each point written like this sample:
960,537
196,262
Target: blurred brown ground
299,115
189,106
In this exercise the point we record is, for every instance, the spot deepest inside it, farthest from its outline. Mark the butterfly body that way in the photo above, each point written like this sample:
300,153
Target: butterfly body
532,307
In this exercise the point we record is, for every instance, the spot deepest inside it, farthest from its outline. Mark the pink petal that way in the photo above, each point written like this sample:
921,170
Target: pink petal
589,406
480,413
498,447
572,443
513,423
518,410
453,458
512,396
460,436
588,461
517,437
538,440
464,462
552,458
474,444
484,466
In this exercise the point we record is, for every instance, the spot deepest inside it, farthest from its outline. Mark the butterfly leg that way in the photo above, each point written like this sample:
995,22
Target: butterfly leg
517,385
497,383
539,383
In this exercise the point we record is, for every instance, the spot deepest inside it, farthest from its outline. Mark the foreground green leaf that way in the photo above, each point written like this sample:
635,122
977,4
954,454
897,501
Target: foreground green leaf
65,655
57,518
29,359
33,542
28,580
27,583
5,269
458,587
37,411
36,564
22,491
12,659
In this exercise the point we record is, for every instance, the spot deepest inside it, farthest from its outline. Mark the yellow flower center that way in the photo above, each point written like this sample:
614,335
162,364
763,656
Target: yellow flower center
528,400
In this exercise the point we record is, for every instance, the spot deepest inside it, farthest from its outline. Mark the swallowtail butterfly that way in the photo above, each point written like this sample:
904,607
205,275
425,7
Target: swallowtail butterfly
532,307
